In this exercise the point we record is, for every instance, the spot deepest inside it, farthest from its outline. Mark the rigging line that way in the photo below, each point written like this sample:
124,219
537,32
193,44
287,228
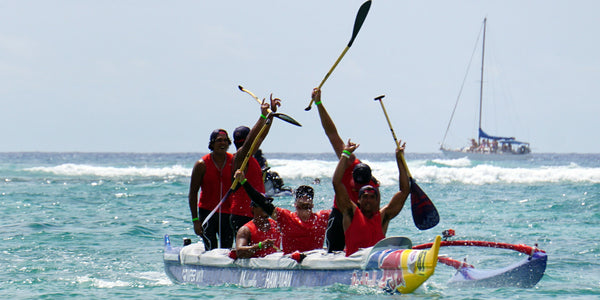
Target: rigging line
462,86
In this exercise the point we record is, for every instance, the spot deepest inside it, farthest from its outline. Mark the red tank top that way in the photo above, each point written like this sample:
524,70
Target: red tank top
215,184
299,235
240,201
351,187
257,235
363,232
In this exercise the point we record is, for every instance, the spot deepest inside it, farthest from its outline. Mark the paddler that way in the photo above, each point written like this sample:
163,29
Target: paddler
243,137
302,230
365,223
259,237
212,177
356,176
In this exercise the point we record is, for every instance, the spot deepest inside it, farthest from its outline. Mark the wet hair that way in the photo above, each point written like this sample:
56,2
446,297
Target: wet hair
361,173
366,188
213,138
304,190
239,136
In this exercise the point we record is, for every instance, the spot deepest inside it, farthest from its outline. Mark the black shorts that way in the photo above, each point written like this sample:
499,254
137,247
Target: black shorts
335,238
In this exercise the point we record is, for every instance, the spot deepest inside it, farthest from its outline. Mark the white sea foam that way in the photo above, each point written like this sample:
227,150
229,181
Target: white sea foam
101,171
486,174
459,162
101,283
443,171
456,170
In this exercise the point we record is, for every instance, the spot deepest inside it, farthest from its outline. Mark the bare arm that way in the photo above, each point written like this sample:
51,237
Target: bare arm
196,181
392,209
241,154
330,130
242,242
256,196
342,199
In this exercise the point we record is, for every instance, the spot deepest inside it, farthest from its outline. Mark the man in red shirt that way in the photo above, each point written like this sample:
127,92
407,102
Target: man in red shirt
356,176
259,237
241,211
212,175
302,230
366,223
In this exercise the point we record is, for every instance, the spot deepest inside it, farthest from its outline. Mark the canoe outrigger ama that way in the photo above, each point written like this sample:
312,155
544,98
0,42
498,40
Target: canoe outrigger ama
523,274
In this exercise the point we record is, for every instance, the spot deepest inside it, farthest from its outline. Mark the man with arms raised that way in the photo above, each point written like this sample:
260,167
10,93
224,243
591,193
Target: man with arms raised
366,223
243,137
302,230
357,175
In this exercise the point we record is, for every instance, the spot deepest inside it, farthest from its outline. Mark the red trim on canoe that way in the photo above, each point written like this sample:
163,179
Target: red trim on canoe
454,263
529,250
459,264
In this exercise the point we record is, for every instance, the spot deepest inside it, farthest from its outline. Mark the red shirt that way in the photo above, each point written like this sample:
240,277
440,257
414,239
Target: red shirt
302,235
257,235
363,232
215,184
240,201
351,186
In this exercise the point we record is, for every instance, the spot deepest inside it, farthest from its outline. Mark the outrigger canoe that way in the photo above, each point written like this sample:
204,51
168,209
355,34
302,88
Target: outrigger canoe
525,273
393,267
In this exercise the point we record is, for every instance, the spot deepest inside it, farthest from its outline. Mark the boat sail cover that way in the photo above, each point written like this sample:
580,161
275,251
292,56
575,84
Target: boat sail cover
483,135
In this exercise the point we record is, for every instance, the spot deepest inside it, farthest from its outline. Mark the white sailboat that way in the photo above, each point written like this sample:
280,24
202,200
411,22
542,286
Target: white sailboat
486,146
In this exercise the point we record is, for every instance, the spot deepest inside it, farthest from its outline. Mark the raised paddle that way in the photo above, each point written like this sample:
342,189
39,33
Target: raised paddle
247,158
280,116
424,213
360,19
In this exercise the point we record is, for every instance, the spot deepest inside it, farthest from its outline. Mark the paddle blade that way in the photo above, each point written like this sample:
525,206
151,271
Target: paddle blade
287,118
425,215
360,19
393,242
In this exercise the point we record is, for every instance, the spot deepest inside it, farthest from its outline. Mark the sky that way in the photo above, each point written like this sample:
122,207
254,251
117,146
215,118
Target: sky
160,76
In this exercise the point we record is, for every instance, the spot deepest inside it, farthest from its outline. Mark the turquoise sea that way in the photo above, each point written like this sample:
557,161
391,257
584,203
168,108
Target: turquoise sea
91,225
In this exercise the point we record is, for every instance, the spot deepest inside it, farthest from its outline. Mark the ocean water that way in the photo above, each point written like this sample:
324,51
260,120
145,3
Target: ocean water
91,225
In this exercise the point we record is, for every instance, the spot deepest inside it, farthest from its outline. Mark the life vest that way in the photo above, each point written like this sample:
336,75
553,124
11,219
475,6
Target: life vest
240,201
298,235
363,232
257,235
215,184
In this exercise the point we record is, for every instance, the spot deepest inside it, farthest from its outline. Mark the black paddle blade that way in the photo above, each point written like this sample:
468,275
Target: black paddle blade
287,118
308,108
360,19
424,212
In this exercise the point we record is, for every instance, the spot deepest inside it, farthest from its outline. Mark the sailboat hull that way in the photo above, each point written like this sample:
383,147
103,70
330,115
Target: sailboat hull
485,156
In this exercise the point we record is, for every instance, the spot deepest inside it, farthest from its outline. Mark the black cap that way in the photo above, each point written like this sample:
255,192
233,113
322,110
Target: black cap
304,190
361,173
239,135
214,135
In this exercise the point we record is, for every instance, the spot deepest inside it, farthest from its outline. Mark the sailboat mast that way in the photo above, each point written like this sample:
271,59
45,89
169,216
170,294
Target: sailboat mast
481,83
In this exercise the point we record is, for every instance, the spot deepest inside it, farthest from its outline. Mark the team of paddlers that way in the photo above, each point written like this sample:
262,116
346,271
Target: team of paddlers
247,216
